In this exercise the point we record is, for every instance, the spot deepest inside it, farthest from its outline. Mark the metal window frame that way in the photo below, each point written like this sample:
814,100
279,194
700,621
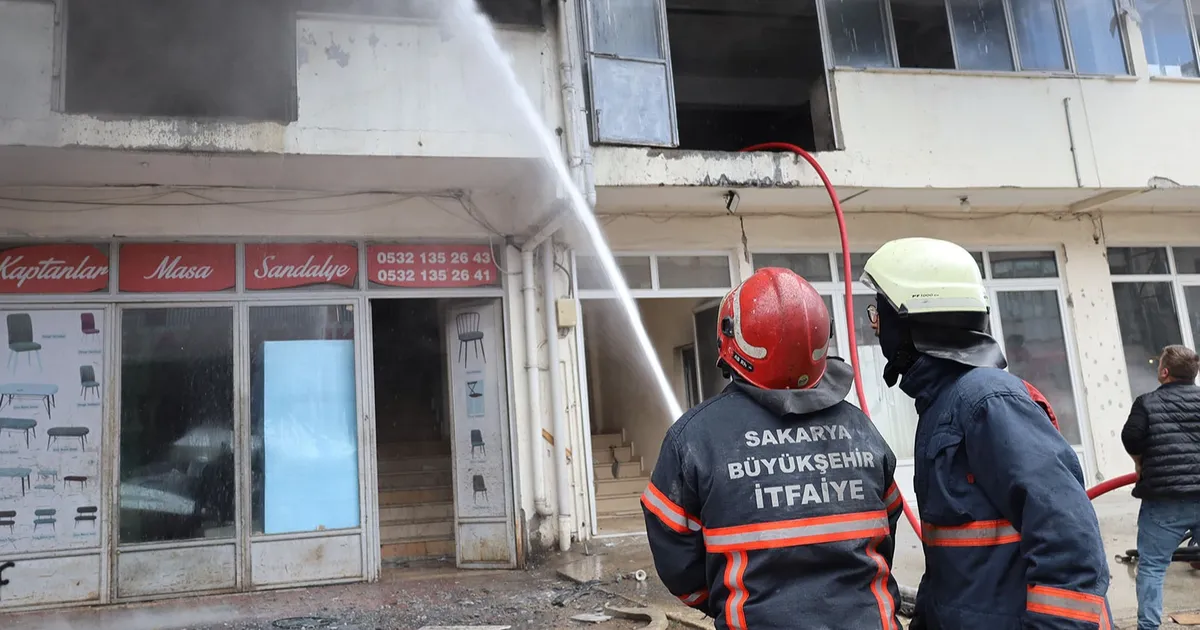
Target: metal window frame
1190,20
1178,283
656,290
1060,8
590,54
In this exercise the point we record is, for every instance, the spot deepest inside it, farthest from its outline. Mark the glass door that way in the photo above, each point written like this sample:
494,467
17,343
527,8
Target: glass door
304,494
177,490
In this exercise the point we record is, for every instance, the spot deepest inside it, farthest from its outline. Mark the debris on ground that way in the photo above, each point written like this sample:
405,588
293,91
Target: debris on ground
1186,619
592,618
658,621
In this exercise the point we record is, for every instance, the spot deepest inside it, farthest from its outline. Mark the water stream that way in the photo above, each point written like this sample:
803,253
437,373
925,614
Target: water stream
464,16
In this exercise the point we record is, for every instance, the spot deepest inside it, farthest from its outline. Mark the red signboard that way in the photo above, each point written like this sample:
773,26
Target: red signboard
432,266
288,265
59,268
177,267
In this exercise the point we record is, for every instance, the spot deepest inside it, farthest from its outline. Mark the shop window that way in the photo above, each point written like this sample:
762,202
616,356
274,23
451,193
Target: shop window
635,269
974,35
1168,34
811,267
1015,265
1145,282
1149,322
693,272
1136,261
177,441
1035,344
655,272
716,75
212,59
52,429
303,419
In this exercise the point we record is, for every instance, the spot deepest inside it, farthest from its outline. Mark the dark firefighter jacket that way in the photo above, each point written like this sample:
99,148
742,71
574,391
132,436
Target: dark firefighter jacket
777,509
1011,540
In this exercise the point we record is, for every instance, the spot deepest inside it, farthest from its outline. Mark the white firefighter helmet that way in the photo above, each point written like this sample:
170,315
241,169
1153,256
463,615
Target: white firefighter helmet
926,276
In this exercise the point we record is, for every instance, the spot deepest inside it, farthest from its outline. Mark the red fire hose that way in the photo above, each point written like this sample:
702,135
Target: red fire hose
1092,493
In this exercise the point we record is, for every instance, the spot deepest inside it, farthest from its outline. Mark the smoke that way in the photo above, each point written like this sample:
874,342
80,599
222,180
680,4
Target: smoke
126,619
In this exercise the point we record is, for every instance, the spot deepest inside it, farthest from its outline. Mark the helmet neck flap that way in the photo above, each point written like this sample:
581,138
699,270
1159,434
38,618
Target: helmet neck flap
957,337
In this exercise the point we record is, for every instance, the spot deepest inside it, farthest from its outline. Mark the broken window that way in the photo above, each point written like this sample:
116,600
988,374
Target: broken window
218,58
1081,36
745,72
1168,35
707,75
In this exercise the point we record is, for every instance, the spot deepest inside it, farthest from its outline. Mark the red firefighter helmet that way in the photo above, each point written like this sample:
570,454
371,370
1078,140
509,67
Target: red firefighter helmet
773,331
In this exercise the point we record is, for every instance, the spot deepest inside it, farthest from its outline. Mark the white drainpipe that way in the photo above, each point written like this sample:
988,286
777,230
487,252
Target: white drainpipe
562,472
528,292
579,148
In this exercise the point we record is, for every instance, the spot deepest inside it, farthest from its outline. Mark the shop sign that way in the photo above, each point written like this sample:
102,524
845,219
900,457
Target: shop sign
57,268
432,266
177,267
288,265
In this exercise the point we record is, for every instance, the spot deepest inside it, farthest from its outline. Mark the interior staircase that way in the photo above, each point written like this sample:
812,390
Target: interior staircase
620,481
416,509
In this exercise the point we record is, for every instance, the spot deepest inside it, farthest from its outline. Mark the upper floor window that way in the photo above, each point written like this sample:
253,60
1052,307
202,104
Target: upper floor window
1081,36
218,58
1169,35
714,75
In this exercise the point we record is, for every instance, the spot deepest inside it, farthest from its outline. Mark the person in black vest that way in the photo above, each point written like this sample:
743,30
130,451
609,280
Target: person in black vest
1163,436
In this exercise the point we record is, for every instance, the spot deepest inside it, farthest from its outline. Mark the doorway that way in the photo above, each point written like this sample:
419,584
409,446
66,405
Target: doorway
442,442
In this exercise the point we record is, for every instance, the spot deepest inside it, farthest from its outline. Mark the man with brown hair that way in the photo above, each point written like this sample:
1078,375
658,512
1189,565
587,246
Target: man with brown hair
1163,436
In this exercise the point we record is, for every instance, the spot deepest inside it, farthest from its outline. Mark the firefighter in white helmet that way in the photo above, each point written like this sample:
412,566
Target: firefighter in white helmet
1011,540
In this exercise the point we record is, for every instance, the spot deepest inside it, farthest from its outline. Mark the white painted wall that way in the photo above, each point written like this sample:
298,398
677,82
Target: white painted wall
365,87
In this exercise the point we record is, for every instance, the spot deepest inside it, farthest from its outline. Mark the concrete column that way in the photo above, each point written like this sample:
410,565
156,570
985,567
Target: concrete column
1097,335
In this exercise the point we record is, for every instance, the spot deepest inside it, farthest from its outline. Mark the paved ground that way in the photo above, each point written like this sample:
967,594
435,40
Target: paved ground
582,581
410,599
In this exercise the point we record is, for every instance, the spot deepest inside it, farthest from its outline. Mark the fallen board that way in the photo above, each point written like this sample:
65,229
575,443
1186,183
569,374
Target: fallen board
1186,619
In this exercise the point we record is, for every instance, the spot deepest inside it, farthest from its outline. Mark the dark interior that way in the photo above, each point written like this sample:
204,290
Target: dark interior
217,58
208,59
922,34
410,371
744,72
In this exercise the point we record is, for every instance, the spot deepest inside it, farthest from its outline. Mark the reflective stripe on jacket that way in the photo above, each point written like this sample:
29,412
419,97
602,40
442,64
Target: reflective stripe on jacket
1011,540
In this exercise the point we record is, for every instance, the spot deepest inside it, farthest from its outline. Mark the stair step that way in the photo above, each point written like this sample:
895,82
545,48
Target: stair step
625,470
605,455
605,440
606,506
391,533
413,464
620,487
414,549
411,496
417,512
415,479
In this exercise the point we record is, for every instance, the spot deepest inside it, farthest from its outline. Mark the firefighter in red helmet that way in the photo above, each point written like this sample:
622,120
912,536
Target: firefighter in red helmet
772,504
